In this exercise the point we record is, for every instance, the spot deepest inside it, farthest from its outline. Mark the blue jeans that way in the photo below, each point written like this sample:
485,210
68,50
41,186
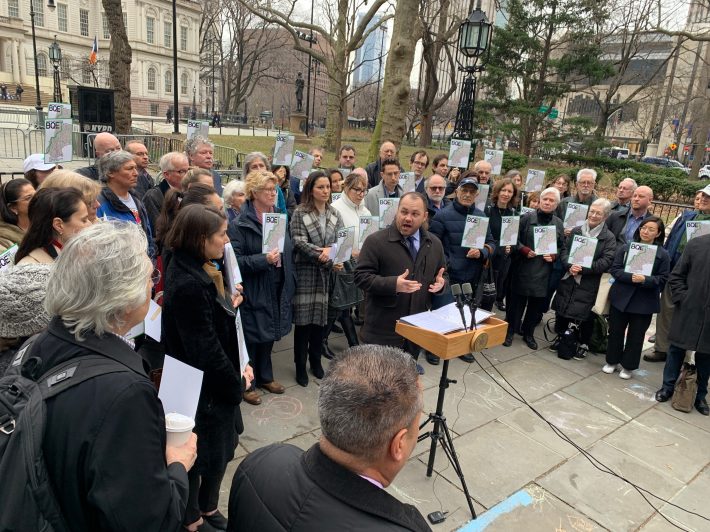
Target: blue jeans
674,362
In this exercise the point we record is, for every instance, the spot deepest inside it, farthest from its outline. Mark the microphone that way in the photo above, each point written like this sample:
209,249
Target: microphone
470,301
456,292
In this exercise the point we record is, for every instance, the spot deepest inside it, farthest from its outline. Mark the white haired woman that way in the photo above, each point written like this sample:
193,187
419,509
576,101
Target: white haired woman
234,197
109,458
531,271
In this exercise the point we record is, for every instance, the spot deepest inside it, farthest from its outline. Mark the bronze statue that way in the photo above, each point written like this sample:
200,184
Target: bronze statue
299,92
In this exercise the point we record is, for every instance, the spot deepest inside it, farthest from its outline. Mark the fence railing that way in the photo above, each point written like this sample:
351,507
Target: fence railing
668,211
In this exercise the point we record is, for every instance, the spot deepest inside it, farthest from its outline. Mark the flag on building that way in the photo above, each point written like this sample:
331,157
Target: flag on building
93,56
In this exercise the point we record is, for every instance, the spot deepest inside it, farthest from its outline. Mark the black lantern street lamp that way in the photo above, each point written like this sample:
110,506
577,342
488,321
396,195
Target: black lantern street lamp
55,56
474,43
193,113
38,104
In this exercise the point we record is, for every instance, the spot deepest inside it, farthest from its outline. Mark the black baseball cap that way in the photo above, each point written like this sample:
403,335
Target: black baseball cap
468,181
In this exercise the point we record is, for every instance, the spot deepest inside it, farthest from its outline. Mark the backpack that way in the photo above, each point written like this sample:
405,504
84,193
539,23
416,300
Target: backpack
600,334
568,342
27,502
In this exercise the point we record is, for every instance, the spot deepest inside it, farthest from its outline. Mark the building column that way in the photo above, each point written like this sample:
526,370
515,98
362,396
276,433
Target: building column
16,64
19,47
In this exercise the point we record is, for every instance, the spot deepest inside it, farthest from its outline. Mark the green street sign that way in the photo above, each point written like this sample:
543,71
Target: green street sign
553,113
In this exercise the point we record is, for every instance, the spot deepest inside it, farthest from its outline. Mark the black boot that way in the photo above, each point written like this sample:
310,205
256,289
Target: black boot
314,357
300,354
301,373
327,353
349,330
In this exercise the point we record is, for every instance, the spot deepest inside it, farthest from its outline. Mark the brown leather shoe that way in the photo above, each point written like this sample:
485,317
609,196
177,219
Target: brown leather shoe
656,356
273,387
252,397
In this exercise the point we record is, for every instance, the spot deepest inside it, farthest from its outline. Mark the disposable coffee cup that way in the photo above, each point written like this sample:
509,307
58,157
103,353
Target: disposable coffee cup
178,428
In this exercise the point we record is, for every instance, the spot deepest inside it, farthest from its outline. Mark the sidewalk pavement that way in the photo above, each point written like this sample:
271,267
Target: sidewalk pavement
519,473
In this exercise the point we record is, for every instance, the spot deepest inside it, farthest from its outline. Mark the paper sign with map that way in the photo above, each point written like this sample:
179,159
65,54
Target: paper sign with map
243,354
231,268
283,150
534,181
408,182
640,258
694,229
388,210
582,251
6,258
368,226
545,239
345,172
273,231
474,232
495,157
525,210
482,197
459,153
345,244
57,111
196,127
335,196
575,215
301,165
58,140
509,227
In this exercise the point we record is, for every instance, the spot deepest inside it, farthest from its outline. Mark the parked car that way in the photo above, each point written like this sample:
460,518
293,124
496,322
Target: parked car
704,172
667,163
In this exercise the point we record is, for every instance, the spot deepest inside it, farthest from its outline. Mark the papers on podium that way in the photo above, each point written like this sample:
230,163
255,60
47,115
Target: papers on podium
444,320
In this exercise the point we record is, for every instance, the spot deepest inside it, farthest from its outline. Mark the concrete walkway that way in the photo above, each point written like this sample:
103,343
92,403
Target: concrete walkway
519,473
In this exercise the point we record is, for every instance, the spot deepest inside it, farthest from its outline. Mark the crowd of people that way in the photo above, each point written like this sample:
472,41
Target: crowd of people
94,246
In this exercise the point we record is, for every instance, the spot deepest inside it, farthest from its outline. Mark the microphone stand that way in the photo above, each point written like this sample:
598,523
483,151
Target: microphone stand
470,300
456,292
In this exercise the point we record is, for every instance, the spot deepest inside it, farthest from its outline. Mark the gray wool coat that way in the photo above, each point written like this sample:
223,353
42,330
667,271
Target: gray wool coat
310,304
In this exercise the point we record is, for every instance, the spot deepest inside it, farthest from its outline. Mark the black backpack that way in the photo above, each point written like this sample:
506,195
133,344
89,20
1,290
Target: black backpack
27,500
568,342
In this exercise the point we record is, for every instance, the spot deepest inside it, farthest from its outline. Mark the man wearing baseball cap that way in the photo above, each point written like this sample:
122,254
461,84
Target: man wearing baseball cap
36,170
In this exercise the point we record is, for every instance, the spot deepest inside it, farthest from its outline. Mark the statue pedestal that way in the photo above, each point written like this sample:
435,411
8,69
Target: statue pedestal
297,126
651,150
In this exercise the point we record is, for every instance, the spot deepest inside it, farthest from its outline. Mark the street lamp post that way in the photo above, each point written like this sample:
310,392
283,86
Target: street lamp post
193,113
55,56
38,105
474,43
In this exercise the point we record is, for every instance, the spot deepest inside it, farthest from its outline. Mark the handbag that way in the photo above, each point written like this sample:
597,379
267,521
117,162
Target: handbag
344,293
685,388
601,304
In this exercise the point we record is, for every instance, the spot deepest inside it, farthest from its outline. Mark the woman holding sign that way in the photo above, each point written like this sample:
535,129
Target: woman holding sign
314,227
500,210
640,273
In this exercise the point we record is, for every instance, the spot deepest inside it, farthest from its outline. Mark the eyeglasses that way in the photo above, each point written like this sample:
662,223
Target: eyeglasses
466,191
268,190
437,188
26,197
179,172
358,190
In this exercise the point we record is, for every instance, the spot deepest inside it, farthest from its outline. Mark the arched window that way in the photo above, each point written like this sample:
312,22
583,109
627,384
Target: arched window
151,79
183,83
42,64
168,81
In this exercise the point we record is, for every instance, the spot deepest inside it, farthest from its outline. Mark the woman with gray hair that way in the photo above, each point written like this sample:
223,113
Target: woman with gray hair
578,288
530,271
117,201
234,197
109,458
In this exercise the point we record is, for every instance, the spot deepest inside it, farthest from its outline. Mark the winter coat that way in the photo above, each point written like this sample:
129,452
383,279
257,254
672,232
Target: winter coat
310,304
374,173
432,210
448,225
350,213
530,276
153,202
674,239
562,207
111,207
289,199
144,184
268,291
690,285
217,182
575,301
198,328
312,493
375,194
638,298
104,442
92,172
617,222
384,257
10,234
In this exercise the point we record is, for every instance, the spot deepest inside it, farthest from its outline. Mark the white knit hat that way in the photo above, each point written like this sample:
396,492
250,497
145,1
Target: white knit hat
22,292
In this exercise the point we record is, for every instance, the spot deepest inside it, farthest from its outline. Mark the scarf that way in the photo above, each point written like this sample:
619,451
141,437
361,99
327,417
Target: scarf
211,269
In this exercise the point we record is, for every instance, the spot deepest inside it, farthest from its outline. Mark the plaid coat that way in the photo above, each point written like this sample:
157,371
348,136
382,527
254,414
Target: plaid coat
310,304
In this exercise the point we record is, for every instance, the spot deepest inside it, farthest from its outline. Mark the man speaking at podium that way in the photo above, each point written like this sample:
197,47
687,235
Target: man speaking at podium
399,268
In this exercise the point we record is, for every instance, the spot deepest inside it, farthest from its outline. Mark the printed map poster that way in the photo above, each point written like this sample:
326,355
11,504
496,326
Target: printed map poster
345,172
640,258
283,150
693,229
545,240
58,111
243,354
459,153
335,196
575,215
495,157
7,257
582,251
408,182
388,210
482,197
196,127
368,226
474,232
273,231
301,165
345,244
509,228
525,210
231,268
58,136
534,181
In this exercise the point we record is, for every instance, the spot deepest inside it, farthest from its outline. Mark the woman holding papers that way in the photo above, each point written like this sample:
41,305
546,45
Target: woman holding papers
199,329
269,281
588,253
314,227
634,297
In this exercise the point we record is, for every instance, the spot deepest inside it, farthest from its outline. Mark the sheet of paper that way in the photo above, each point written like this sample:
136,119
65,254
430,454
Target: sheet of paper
180,387
57,111
197,127
283,150
534,181
575,215
582,251
335,196
368,226
545,239
525,210
509,228
482,198
388,211
137,330
430,322
407,181
231,268
243,353
640,258
451,314
58,139
346,243
273,231
152,321
474,232
7,257
301,165
495,157
692,229
459,153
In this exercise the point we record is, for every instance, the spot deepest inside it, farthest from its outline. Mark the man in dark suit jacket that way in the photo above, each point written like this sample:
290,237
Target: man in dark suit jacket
369,429
374,170
623,223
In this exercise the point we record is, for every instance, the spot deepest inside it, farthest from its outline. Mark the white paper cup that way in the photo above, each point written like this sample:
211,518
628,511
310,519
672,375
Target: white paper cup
178,428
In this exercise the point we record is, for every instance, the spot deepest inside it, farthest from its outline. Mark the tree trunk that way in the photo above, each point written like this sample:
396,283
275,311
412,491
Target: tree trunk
334,121
426,127
120,59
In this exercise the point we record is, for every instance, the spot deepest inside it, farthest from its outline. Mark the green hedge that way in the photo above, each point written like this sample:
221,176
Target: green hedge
512,159
616,165
665,188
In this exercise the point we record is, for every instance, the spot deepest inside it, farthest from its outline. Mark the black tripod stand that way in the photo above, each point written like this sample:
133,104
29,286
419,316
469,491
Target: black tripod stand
440,434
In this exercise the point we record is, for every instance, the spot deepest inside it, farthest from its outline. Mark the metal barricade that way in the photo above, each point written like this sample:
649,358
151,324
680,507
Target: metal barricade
668,211
12,144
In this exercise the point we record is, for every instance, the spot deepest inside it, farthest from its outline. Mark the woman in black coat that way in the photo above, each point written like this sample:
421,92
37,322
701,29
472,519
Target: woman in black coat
198,327
634,300
269,281
531,272
578,288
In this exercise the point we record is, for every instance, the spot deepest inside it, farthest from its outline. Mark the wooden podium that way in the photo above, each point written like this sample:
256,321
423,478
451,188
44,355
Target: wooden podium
489,333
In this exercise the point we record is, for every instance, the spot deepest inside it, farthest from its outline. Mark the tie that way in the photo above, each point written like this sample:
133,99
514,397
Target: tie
412,248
